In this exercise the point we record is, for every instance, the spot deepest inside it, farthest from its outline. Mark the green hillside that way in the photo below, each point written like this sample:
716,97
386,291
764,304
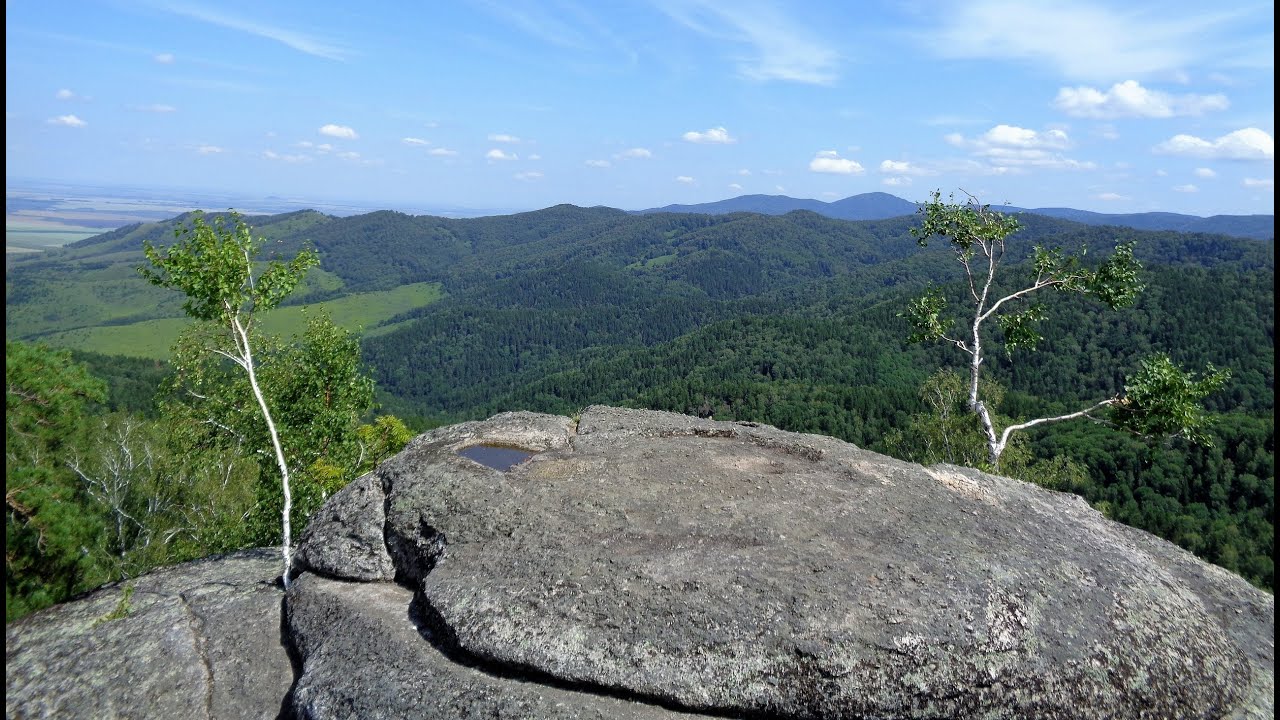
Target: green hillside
791,320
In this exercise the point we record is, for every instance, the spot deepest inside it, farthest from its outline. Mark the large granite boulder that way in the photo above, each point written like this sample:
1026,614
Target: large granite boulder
732,569
198,640
655,566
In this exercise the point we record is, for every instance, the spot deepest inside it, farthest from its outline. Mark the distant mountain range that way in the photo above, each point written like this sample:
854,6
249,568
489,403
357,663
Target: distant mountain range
879,206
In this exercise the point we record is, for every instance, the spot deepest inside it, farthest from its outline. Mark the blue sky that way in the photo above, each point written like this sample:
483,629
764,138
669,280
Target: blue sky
1105,106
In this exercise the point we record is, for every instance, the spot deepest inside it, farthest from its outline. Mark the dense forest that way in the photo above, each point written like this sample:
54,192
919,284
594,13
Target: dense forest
792,320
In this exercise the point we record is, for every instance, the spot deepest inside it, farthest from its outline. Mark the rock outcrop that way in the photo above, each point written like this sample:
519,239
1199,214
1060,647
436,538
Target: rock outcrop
197,640
651,565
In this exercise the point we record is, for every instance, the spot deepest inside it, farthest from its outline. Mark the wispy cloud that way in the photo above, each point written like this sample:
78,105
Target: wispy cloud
64,94
1188,188
296,40
1206,173
634,153
1246,144
902,167
777,48
497,154
503,138
156,108
67,121
338,131
598,163
414,141
209,149
442,152
1110,197
713,136
1130,99
163,58
1089,40
685,180
279,157
1259,182
829,161
528,175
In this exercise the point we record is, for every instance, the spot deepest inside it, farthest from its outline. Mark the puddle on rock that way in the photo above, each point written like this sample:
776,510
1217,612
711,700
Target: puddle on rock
497,457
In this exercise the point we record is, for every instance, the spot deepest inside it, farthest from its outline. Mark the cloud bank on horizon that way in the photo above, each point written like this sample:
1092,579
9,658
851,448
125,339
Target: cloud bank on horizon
1111,106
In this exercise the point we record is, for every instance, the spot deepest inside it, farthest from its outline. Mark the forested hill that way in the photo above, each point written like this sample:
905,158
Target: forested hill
789,319
879,206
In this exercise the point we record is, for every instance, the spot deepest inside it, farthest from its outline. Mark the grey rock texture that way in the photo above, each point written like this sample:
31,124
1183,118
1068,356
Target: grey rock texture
740,570
199,640
651,565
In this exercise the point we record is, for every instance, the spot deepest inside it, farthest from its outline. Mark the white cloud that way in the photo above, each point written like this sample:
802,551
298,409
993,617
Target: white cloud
530,175
294,159
349,155
1161,173
744,172
157,108
1188,188
503,138
634,153
1088,40
713,136
735,186
320,148
1247,144
776,48
902,167
414,141
1259,182
338,131
1110,196
829,161
684,179
67,121
599,163
1009,148
442,152
1130,99
1206,173
65,94
496,154
779,188
535,156
897,181
164,58
209,149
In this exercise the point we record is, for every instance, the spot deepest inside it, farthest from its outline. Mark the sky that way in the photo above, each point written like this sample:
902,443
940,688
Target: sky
1114,107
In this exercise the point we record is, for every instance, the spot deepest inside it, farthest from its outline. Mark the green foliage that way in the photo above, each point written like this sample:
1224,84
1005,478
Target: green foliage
946,431
1163,401
1158,400
319,391
46,534
963,224
213,266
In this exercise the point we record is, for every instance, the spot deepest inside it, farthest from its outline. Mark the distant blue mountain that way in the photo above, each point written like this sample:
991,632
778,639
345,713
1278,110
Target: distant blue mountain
867,206
878,206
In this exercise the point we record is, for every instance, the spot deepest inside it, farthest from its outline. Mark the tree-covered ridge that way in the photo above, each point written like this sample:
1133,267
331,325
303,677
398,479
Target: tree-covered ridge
790,320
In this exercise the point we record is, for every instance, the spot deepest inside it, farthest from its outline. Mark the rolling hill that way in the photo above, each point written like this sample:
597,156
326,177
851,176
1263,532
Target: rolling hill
879,206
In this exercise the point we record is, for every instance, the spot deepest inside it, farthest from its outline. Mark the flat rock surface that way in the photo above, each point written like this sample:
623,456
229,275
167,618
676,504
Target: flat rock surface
196,640
740,570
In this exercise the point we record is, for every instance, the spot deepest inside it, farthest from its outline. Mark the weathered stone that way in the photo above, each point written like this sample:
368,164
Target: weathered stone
197,640
344,537
736,568
368,655
649,565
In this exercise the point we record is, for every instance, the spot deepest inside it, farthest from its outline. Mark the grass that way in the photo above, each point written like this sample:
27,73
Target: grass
361,312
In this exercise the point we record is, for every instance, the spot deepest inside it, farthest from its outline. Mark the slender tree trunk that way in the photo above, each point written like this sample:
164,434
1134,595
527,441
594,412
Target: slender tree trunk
242,338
